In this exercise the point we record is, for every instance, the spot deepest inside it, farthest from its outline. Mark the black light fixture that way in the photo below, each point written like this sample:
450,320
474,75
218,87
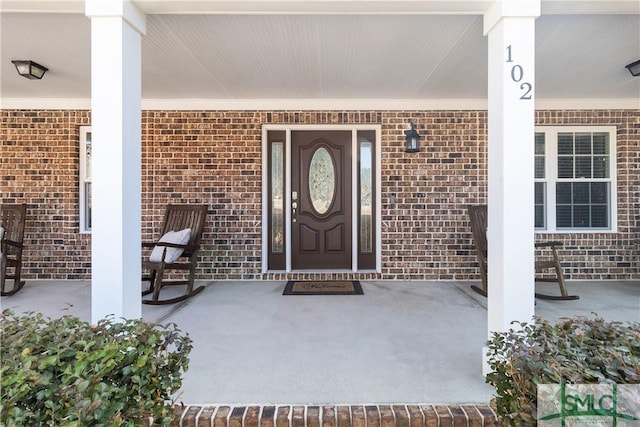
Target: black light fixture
634,68
412,139
29,69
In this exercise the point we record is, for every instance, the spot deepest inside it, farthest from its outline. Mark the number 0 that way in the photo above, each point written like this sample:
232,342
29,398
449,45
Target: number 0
517,73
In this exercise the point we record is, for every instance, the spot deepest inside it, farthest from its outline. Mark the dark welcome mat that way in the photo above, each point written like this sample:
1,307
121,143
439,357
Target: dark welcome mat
323,287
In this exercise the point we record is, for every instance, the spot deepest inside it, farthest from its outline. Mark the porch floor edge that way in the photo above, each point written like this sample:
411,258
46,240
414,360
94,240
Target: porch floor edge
357,415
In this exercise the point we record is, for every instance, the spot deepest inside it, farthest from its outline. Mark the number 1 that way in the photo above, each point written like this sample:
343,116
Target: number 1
509,54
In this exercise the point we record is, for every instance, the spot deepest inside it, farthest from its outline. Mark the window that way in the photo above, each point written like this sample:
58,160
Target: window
85,179
575,187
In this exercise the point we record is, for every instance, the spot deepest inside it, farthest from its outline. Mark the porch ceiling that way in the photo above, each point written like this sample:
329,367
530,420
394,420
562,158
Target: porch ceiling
288,54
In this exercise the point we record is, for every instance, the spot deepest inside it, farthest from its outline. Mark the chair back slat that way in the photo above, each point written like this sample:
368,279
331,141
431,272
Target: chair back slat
12,219
179,217
478,220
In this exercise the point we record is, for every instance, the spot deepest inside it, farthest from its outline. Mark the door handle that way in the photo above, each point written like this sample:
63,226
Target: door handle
294,206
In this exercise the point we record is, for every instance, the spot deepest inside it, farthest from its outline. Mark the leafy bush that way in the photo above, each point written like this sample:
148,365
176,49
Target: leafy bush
66,372
573,351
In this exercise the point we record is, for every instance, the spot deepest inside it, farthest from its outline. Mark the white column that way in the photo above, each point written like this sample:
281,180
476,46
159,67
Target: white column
510,26
116,32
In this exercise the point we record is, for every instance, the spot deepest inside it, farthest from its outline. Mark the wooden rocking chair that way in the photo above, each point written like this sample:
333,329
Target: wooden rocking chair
478,219
176,249
12,220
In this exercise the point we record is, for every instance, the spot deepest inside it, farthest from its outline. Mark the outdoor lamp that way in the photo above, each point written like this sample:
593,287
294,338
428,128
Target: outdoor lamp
412,139
29,69
634,68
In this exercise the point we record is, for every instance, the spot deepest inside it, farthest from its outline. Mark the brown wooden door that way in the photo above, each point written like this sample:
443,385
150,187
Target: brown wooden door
321,200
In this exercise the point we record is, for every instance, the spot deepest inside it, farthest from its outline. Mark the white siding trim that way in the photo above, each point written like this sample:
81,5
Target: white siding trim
319,104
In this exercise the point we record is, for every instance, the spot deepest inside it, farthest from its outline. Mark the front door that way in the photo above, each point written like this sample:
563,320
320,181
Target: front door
321,202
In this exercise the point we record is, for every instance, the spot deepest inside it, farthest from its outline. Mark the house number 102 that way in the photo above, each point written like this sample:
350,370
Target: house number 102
517,73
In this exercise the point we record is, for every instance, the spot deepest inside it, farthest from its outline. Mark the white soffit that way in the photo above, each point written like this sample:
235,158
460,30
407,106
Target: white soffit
325,6
305,59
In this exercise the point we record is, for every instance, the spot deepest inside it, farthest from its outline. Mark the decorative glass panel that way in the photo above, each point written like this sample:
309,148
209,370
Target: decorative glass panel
87,205
277,197
87,152
322,180
85,178
366,197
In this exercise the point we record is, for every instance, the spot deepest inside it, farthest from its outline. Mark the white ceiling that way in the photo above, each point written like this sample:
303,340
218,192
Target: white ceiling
296,56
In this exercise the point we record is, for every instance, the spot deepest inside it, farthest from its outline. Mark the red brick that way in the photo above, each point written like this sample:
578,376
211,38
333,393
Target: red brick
214,157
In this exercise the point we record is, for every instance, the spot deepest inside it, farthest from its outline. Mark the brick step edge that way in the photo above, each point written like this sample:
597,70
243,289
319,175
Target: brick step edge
412,415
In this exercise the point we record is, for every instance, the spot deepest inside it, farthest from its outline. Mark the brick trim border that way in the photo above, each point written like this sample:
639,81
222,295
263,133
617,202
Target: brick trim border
399,415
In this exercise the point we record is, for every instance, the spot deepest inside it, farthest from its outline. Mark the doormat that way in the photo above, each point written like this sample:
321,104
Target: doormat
323,287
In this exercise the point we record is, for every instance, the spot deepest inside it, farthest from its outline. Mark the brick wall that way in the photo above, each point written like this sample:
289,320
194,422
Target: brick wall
214,157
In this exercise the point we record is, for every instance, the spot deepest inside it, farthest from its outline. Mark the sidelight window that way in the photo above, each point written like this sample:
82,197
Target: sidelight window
85,179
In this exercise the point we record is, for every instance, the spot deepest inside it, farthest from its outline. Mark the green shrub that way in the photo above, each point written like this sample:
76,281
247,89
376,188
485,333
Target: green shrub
573,351
66,372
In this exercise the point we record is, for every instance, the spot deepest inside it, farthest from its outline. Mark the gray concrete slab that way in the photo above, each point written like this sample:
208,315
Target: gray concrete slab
400,342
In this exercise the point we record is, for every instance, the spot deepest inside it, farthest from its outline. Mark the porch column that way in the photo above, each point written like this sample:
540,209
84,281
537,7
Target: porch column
510,26
116,33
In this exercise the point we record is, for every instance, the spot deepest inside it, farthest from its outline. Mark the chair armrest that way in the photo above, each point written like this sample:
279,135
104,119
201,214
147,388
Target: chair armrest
187,248
170,245
12,243
553,244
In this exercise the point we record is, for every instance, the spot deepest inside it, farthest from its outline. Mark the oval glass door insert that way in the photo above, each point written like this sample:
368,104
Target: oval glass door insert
322,180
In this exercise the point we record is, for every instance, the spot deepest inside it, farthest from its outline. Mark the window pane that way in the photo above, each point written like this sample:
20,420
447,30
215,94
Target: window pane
599,216
565,143
601,143
581,192
539,193
277,197
539,167
563,193
540,204
539,138
539,217
563,216
601,167
600,193
583,143
583,167
565,167
581,216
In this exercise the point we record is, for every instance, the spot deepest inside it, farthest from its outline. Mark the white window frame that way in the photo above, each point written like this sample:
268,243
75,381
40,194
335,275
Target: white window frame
84,178
551,177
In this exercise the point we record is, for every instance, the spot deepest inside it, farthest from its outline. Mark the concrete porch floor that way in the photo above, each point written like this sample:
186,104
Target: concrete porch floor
400,342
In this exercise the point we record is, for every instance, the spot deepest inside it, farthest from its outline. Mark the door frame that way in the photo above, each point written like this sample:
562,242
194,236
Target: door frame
288,128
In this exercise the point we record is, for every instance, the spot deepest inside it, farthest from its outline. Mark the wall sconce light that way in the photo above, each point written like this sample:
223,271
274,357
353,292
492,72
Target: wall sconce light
634,68
29,69
412,139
